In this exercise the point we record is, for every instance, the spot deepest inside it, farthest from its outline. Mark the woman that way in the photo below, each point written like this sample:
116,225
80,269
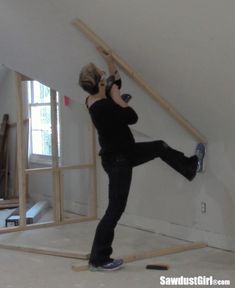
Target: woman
111,116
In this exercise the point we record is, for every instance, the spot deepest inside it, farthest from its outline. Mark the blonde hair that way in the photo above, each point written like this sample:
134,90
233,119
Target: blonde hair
89,78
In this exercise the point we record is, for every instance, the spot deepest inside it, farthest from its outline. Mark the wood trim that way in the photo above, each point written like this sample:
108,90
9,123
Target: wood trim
80,25
152,254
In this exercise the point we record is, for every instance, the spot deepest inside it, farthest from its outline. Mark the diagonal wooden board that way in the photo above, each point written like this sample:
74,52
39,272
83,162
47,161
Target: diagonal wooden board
45,251
152,254
92,36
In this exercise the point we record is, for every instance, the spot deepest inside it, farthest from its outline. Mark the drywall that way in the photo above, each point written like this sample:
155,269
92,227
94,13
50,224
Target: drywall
7,94
183,48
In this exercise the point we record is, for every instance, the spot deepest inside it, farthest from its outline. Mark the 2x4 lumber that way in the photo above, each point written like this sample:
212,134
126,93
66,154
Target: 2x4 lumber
152,254
51,169
20,152
55,160
45,251
142,83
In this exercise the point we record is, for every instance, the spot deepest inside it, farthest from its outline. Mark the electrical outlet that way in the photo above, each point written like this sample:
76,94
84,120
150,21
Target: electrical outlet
203,207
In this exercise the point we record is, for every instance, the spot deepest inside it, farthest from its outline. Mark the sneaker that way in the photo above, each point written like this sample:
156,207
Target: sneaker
200,153
110,266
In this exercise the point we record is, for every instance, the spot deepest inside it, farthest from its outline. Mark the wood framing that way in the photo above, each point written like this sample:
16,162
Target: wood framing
152,254
142,83
44,251
20,152
55,160
51,169
56,170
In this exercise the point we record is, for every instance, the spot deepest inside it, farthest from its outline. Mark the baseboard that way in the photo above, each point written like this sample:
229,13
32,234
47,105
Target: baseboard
177,231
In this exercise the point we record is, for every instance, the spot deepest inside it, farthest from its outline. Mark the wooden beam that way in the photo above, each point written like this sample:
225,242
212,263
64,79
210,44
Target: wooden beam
20,152
152,254
61,168
55,160
45,251
91,35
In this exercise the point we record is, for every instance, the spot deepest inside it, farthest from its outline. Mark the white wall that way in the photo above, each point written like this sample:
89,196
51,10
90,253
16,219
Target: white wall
76,149
7,94
183,48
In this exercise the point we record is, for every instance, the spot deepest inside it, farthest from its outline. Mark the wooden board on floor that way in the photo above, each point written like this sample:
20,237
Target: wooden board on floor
152,254
44,251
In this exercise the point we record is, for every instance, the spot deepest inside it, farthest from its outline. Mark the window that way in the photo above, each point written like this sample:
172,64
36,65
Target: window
40,140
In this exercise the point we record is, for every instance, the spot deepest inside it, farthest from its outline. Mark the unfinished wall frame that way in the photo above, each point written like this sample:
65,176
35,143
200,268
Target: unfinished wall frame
55,169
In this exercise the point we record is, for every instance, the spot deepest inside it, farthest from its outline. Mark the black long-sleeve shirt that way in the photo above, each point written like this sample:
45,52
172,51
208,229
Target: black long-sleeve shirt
111,121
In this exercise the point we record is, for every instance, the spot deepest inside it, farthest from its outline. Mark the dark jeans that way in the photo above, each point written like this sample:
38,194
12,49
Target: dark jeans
119,170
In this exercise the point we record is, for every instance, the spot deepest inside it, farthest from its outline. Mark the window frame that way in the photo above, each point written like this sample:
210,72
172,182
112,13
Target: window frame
33,157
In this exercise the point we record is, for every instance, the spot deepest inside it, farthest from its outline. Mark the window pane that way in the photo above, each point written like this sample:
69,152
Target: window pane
29,90
41,142
41,93
41,130
41,117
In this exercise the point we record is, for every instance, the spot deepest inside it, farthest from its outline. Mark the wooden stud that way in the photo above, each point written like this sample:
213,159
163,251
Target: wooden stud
152,254
55,159
44,251
131,72
61,179
20,153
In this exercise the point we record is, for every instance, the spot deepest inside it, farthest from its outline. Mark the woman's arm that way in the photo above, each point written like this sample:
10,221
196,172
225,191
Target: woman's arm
122,111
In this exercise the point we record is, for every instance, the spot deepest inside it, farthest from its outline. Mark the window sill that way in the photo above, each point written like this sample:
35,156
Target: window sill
41,160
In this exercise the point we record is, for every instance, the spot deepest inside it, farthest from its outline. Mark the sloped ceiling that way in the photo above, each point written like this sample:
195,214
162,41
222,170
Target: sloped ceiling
183,48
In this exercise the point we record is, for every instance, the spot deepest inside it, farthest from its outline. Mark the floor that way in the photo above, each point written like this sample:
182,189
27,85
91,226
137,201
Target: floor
24,270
